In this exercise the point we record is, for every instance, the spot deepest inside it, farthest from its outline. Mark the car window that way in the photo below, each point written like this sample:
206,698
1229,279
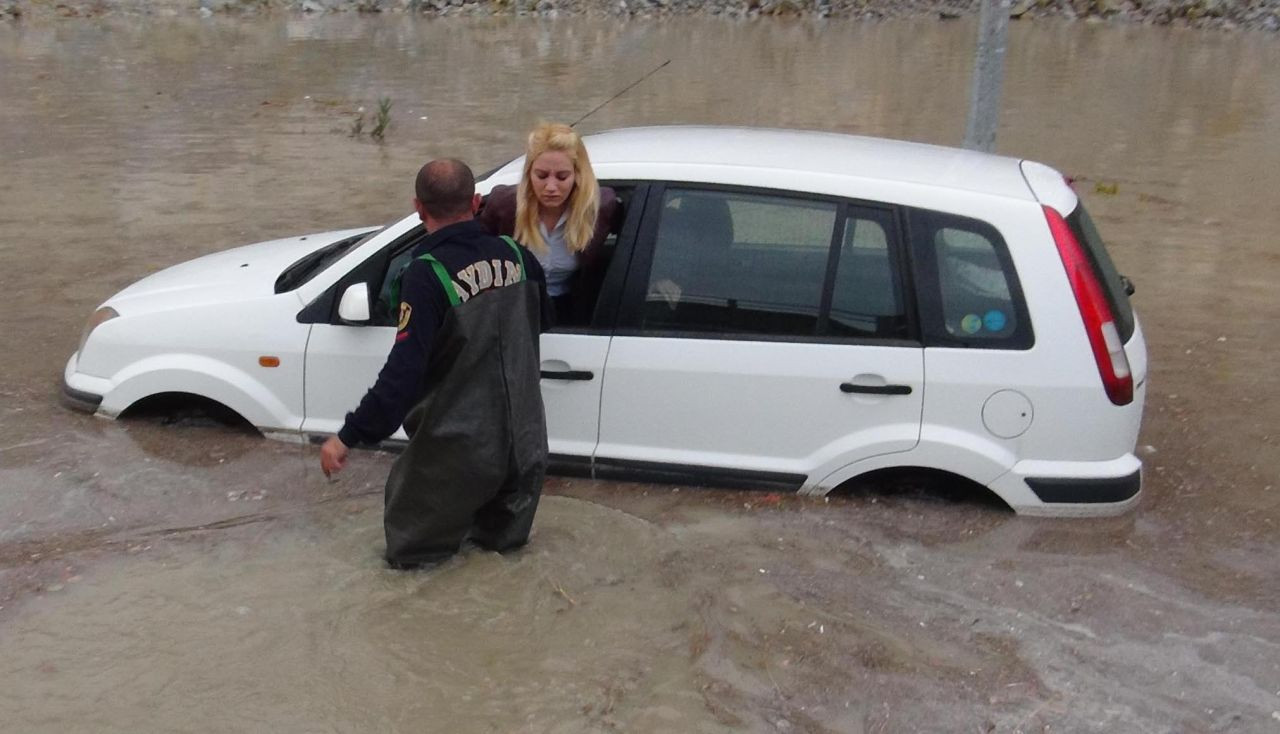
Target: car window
975,294
1104,269
383,312
383,309
624,193
867,300
589,281
738,263
970,283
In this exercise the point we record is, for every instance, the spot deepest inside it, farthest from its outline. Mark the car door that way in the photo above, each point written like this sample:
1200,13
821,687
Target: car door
343,360
573,355
763,337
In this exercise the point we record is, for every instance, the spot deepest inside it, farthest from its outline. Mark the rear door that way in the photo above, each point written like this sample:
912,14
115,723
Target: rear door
763,337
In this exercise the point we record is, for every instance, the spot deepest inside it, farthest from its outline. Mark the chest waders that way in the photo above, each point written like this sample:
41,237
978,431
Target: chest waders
477,451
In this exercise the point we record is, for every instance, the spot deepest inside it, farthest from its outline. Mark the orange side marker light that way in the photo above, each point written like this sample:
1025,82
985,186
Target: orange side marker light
269,361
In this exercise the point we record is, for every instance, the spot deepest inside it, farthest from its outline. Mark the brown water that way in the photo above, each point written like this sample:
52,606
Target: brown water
190,578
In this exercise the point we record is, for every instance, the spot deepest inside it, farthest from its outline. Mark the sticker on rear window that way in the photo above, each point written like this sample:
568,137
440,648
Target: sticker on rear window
994,320
971,323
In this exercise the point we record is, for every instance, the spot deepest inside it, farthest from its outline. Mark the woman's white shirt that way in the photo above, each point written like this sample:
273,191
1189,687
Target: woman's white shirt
558,264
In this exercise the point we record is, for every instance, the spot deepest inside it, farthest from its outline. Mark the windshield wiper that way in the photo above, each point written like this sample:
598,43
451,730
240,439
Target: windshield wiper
307,268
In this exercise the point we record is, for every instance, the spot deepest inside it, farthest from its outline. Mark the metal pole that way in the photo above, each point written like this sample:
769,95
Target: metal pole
988,76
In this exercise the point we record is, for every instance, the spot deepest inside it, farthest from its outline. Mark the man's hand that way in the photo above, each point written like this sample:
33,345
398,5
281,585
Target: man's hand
333,456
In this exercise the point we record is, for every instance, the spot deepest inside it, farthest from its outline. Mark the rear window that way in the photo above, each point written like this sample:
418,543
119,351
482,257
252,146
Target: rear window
966,283
1083,228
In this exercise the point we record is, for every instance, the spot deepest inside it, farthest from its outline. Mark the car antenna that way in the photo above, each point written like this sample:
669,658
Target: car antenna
619,94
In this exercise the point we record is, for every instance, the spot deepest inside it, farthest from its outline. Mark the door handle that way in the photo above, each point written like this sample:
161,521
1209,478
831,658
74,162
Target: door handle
849,387
567,375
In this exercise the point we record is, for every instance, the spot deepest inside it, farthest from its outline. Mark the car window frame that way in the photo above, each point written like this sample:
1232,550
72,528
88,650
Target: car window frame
604,316
932,314
635,288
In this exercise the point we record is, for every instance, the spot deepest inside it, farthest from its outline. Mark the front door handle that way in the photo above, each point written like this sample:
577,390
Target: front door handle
849,387
567,375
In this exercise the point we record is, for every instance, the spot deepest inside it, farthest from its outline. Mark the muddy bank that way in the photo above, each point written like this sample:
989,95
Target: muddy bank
1261,15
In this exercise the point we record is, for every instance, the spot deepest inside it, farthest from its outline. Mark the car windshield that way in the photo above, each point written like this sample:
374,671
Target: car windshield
314,263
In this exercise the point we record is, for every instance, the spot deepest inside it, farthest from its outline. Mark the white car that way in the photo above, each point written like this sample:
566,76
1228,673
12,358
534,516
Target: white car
781,309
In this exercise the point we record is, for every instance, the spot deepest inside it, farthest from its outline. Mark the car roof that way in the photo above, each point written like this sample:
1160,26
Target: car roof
808,151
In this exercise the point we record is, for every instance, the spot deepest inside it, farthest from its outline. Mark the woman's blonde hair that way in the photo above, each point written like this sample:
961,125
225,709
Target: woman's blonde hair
583,203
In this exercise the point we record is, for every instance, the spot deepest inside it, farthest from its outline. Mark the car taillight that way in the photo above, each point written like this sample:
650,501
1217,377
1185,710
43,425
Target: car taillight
1099,323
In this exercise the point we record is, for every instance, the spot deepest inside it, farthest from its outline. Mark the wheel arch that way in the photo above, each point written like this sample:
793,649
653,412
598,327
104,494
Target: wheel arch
940,453
203,377
933,481
177,402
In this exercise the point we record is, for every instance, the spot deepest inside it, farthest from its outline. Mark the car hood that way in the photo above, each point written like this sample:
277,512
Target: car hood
243,272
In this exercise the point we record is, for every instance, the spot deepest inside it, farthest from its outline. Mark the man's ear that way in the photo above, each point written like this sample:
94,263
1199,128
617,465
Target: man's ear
476,200
420,209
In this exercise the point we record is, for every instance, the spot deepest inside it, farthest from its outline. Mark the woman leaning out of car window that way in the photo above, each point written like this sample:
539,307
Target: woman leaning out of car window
561,214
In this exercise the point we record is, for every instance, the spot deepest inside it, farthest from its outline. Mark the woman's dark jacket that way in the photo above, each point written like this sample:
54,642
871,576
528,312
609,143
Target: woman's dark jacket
498,215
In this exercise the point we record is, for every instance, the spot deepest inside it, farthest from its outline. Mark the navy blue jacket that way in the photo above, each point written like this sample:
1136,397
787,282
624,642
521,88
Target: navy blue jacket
473,258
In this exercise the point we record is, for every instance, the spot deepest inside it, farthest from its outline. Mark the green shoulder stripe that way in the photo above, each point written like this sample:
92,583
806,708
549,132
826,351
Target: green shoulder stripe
443,276
519,255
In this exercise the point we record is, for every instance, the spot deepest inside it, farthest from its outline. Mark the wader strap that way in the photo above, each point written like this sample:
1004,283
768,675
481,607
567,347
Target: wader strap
519,257
443,275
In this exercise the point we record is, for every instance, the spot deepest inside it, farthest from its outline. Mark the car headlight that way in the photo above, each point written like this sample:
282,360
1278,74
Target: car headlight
99,317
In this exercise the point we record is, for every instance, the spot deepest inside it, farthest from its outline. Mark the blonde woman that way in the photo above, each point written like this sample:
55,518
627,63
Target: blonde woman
560,213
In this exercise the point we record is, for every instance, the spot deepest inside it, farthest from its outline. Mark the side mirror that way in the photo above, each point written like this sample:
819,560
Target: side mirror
354,306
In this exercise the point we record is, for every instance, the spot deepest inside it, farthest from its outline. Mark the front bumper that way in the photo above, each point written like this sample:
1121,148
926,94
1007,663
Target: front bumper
81,392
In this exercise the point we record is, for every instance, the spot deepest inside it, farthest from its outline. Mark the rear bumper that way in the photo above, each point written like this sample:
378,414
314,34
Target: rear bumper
1071,488
1097,490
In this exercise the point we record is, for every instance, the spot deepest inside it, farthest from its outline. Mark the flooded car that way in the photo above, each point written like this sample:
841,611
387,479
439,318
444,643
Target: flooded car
782,309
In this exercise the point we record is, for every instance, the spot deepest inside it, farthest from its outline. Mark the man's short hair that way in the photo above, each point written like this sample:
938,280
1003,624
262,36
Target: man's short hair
445,187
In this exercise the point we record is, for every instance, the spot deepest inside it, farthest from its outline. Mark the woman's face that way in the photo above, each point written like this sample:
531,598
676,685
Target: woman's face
552,179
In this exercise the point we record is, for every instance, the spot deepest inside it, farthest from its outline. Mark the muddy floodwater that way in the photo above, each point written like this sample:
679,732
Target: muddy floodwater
173,574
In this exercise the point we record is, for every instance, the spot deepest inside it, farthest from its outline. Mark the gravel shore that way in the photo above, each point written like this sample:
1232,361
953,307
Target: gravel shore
1259,15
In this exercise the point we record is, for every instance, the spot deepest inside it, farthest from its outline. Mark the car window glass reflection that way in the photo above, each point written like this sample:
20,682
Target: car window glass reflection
738,263
976,302
867,301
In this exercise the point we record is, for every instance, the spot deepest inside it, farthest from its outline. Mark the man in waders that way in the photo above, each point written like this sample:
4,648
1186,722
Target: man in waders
463,377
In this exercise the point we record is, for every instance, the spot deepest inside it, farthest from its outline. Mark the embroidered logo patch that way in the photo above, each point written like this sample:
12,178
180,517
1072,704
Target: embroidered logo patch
405,312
